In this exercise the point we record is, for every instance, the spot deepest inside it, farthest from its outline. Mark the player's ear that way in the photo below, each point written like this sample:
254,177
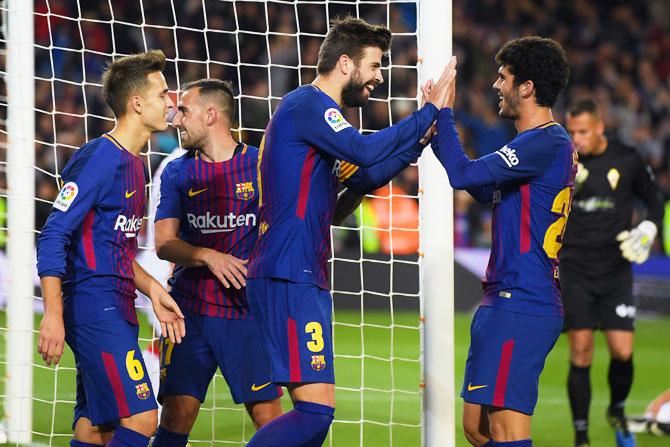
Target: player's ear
136,103
345,64
211,116
600,127
527,89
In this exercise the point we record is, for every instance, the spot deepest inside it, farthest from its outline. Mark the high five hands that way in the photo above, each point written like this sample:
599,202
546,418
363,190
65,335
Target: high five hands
441,94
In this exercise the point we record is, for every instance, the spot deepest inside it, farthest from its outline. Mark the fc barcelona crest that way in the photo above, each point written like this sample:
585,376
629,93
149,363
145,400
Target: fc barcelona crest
318,362
244,190
143,391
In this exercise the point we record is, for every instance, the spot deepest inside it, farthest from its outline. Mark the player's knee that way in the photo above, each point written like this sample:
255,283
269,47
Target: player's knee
472,433
475,438
144,423
622,354
581,356
506,432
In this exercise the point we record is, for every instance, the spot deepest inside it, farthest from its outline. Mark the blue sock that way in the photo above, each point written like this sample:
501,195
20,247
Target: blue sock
125,437
167,438
520,443
75,443
307,426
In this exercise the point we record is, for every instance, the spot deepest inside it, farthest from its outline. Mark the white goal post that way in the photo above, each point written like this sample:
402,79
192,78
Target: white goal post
437,247
20,169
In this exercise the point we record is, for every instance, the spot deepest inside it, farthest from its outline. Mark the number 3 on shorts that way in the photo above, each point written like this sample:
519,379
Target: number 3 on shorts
314,328
134,366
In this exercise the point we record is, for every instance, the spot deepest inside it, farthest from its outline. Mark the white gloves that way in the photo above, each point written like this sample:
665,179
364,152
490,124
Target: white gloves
636,243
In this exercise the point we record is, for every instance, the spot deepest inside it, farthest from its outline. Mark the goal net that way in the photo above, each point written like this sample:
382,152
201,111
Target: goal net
266,48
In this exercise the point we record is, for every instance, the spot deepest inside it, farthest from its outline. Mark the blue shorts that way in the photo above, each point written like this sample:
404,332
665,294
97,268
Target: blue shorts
235,346
296,321
112,379
506,356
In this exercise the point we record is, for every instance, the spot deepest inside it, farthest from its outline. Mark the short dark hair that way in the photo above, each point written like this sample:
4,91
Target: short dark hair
540,60
350,36
584,105
127,76
221,91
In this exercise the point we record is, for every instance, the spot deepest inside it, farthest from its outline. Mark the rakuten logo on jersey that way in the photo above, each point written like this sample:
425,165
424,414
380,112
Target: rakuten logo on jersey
509,155
129,225
213,223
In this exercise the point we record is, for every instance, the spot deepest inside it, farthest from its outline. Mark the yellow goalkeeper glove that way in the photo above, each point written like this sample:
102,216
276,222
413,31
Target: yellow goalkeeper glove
636,243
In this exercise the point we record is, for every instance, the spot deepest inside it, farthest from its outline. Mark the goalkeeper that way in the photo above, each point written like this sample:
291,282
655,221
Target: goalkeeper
596,277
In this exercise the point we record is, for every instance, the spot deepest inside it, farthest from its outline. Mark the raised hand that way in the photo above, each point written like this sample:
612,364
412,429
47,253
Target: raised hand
444,89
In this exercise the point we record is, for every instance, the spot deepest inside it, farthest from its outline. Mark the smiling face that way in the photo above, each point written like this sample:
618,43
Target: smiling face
190,120
156,103
509,94
366,75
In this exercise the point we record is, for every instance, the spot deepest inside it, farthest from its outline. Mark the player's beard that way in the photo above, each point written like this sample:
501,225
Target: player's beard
189,143
353,94
510,105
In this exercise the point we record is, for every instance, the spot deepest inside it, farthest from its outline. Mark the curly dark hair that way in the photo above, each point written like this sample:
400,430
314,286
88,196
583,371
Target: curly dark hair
540,60
127,76
350,36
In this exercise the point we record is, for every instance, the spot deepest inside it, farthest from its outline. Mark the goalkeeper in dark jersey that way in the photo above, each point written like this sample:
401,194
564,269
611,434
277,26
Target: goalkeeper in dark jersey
596,277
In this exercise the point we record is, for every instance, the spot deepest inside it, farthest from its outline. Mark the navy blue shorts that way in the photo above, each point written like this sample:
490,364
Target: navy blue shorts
506,356
296,321
235,346
112,379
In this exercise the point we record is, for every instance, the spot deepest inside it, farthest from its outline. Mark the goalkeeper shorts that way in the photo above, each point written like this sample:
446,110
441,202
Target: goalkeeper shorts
604,303
295,321
112,379
235,346
506,356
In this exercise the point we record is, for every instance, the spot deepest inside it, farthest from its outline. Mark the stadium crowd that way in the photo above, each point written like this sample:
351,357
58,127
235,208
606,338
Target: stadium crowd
619,51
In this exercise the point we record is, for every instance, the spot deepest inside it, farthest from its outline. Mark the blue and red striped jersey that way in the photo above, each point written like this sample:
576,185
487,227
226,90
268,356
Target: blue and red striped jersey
308,147
530,181
217,208
90,237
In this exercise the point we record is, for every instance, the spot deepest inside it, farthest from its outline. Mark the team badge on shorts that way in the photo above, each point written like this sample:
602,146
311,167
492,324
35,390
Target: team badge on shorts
244,190
318,362
143,391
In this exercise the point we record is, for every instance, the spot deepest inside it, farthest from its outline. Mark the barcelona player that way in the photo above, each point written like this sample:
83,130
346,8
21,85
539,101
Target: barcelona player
308,149
87,251
529,181
206,223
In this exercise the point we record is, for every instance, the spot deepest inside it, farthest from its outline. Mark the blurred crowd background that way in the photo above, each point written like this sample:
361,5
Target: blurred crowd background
619,52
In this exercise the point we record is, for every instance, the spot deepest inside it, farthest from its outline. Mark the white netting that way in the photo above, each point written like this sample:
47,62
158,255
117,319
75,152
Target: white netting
267,48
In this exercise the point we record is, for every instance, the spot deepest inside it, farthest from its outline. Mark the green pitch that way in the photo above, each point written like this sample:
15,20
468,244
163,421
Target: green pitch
366,365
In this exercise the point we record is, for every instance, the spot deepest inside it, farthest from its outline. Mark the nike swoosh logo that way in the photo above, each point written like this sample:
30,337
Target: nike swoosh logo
476,387
192,193
259,387
130,194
